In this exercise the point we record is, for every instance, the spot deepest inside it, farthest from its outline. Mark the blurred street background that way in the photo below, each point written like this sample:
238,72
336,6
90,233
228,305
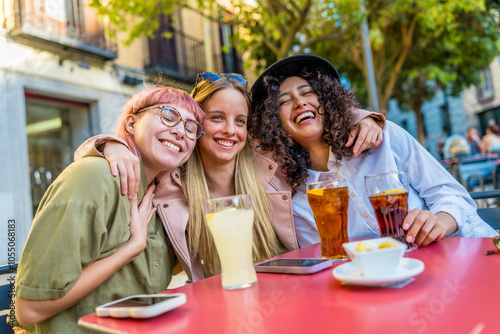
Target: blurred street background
68,66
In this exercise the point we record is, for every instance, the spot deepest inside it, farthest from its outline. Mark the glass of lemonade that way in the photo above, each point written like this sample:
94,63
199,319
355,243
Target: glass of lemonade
329,201
388,194
230,220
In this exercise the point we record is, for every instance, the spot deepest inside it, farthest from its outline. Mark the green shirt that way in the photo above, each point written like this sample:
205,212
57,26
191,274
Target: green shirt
81,219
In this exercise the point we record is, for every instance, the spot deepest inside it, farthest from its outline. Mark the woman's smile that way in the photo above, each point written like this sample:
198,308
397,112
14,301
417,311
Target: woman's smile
299,111
225,124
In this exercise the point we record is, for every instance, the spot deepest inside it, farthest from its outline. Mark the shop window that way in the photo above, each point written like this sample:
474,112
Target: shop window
54,128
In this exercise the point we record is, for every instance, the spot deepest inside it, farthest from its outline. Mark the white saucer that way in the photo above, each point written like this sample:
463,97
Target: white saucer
348,273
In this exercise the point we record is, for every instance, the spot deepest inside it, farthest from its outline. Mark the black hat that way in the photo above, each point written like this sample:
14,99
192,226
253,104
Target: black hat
290,67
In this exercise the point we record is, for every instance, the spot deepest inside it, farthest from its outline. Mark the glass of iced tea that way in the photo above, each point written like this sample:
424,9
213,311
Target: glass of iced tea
388,194
329,201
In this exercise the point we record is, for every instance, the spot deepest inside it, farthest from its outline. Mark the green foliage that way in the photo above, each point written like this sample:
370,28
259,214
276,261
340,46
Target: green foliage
454,55
447,41
450,55
134,17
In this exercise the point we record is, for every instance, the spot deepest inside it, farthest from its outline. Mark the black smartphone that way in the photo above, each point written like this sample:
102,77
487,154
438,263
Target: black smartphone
293,266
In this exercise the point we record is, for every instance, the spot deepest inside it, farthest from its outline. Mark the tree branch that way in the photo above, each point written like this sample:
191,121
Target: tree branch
311,41
252,25
295,26
407,42
396,48
402,98
270,44
284,8
272,10
357,61
293,3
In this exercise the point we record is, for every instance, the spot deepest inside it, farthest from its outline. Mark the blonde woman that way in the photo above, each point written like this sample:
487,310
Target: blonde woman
222,164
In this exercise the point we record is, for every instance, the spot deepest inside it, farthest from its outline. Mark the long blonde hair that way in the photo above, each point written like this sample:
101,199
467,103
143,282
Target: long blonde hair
247,181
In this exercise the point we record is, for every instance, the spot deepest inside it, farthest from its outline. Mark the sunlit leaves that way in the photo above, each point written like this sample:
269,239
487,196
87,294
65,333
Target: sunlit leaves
447,39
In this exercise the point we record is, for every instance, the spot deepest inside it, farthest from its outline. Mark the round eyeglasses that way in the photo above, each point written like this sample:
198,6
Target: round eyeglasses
170,117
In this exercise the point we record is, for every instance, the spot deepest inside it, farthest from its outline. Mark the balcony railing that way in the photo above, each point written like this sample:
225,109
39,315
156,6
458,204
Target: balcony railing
75,27
178,55
183,56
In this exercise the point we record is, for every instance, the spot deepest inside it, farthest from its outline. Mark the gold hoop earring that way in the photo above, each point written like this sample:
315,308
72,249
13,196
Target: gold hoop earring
320,105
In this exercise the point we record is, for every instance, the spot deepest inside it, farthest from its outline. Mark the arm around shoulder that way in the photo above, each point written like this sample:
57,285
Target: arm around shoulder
359,114
94,146
121,159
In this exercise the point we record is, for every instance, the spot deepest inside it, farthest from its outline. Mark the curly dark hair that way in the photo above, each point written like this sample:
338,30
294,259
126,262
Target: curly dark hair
264,124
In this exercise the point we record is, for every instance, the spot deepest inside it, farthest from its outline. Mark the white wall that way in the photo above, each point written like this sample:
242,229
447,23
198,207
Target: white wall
24,68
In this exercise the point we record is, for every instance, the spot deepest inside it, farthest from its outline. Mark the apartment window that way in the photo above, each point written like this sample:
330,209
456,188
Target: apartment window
61,26
54,127
164,47
445,112
230,60
175,53
485,91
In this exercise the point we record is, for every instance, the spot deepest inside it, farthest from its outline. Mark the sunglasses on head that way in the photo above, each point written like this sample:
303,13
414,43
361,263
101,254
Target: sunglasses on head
170,117
212,77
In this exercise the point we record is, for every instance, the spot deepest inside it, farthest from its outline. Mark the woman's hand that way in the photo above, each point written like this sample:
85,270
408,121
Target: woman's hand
139,220
124,163
423,227
368,134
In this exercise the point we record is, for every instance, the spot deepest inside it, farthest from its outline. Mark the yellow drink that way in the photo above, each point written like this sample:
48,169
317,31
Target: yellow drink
232,233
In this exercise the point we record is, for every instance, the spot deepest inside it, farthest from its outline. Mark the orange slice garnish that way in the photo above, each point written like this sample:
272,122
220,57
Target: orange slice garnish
316,192
394,192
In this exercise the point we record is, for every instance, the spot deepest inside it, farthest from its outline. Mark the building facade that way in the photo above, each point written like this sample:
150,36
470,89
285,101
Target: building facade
445,115
482,103
62,80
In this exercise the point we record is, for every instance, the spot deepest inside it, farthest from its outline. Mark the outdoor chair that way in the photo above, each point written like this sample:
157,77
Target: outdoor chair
490,215
476,171
5,288
495,177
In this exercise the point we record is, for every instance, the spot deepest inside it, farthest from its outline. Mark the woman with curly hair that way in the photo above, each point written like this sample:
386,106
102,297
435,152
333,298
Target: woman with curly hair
303,116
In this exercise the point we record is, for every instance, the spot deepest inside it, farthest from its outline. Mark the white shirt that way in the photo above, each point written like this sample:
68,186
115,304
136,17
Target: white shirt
431,188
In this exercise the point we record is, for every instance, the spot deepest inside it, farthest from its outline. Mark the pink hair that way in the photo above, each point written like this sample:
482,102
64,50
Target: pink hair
150,97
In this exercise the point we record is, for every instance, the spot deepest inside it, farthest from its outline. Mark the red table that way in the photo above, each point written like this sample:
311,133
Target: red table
458,292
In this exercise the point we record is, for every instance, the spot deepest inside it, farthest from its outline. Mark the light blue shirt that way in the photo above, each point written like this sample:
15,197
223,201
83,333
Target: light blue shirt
431,188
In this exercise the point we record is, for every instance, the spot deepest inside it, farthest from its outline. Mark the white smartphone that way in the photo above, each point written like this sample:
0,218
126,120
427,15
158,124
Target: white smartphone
141,306
293,266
